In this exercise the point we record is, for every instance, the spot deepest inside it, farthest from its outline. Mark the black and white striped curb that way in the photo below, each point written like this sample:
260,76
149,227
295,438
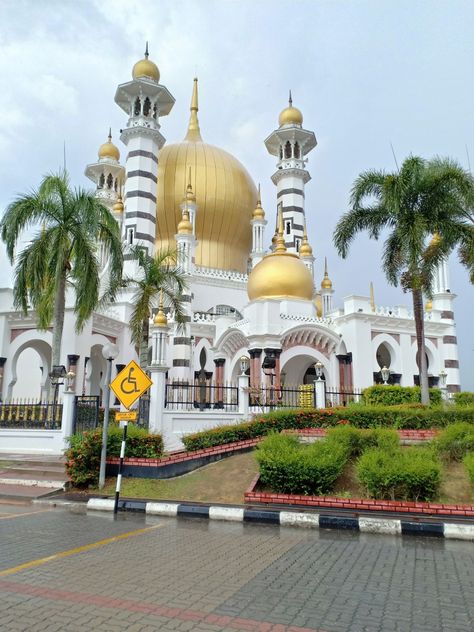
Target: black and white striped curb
365,524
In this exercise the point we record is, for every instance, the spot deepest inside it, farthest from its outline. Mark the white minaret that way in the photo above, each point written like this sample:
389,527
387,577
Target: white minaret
290,143
145,101
326,291
108,175
185,237
258,224
306,252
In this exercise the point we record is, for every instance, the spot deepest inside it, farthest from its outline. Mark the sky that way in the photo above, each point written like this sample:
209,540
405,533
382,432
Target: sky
367,74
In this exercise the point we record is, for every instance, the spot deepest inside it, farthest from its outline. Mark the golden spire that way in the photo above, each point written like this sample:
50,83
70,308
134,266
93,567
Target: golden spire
160,319
259,213
305,249
194,132
190,196
280,240
372,298
326,283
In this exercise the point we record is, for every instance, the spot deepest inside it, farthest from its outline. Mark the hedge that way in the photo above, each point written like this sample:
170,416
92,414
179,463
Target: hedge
383,395
412,474
83,455
464,398
356,441
469,465
456,441
290,468
398,417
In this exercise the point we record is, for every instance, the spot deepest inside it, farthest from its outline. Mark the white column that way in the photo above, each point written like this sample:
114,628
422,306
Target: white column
67,416
243,382
157,398
320,393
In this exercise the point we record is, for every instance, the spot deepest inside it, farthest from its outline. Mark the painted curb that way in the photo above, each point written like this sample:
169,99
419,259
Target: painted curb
364,524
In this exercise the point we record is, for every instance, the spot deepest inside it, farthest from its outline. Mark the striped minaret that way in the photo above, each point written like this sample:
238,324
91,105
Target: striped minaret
145,101
442,302
290,143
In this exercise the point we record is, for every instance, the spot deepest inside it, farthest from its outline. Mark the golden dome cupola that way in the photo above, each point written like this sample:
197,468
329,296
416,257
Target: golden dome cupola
290,115
326,283
258,212
305,249
146,69
108,150
225,198
280,274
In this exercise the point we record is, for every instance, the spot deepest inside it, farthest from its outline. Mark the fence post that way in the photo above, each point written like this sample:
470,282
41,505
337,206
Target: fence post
67,419
157,398
320,393
244,395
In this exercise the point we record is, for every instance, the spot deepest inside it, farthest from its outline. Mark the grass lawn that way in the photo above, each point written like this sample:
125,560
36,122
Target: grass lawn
4,464
223,482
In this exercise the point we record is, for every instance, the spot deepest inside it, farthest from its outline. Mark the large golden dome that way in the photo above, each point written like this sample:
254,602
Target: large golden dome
225,198
280,274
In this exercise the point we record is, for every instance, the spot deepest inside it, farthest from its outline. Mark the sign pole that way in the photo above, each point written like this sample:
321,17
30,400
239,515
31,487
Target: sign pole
119,475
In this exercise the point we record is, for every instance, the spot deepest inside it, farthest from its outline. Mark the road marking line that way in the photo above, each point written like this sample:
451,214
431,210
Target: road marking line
20,515
79,549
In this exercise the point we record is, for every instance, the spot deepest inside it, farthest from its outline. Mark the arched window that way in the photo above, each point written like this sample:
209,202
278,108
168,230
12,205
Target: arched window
110,181
383,355
101,181
147,107
288,228
287,149
154,110
115,185
296,150
137,107
281,152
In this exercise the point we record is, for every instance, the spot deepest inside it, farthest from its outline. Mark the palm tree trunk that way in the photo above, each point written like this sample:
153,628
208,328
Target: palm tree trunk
420,341
143,349
58,318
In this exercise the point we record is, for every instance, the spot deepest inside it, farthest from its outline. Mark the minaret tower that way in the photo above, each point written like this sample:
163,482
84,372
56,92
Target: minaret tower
290,143
185,237
145,101
108,175
258,224
306,252
326,290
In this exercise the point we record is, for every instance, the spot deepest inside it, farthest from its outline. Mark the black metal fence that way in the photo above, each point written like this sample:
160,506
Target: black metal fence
337,396
86,413
183,395
31,414
262,398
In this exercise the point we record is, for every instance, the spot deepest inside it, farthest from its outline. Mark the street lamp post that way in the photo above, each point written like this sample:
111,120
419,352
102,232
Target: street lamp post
319,386
443,377
109,352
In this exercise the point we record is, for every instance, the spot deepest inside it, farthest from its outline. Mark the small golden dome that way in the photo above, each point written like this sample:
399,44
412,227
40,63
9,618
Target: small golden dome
429,306
109,150
280,274
259,213
326,283
185,227
290,115
319,306
146,68
305,248
118,206
160,319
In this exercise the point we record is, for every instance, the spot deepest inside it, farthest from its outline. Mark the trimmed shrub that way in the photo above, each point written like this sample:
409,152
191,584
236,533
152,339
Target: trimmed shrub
83,455
289,468
456,441
383,395
397,417
464,398
469,465
410,474
356,441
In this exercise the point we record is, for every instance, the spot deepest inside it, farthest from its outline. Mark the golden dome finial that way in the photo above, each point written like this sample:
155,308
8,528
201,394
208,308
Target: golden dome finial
146,50
290,115
160,319
118,206
108,149
290,100
190,195
305,249
280,240
372,297
194,132
259,213
326,283
145,68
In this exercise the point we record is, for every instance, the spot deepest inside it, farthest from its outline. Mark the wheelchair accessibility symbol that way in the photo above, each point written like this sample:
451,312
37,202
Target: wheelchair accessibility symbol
130,384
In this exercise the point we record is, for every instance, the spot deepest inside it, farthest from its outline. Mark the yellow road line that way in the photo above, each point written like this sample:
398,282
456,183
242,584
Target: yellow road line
79,549
20,515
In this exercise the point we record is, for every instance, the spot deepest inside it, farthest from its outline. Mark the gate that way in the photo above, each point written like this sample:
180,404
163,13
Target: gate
86,413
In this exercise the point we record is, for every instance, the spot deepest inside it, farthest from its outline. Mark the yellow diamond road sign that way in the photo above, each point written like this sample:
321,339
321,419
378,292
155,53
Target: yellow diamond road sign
130,384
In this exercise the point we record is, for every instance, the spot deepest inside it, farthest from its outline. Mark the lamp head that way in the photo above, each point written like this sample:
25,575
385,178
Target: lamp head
110,351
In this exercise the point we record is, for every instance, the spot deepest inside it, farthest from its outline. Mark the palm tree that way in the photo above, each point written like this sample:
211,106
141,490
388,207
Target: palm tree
62,254
158,274
421,199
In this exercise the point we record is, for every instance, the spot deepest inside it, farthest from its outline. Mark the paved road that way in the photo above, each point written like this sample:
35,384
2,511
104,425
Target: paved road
78,572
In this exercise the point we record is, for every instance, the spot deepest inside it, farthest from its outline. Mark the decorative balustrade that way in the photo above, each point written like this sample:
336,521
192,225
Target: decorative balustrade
215,273
194,396
30,413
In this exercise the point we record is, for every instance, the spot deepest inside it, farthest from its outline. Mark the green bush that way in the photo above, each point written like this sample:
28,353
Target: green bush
83,455
356,441
414,417
469,465
409,474
464,398
456,441
290,468
383,395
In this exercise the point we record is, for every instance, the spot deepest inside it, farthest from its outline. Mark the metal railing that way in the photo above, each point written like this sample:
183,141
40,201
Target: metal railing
184,395
86,413
264,397
31,414
337,396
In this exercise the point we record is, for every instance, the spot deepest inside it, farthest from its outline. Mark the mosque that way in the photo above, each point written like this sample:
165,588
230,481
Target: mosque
268,302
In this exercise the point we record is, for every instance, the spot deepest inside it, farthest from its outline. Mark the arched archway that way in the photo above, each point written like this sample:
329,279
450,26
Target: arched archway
29,375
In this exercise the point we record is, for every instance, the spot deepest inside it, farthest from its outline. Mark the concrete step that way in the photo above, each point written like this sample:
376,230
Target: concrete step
23,492
31,471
